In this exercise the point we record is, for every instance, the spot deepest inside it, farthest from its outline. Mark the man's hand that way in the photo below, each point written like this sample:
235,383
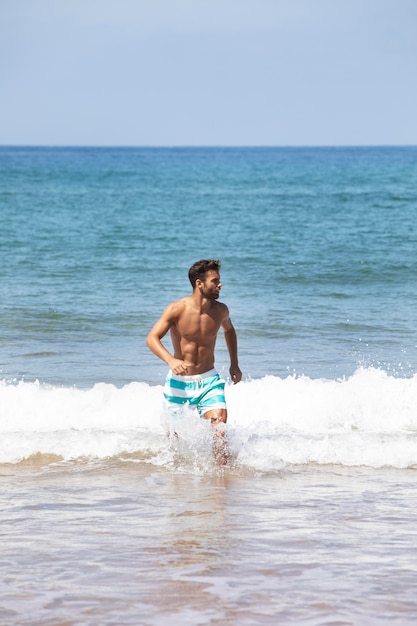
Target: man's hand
235,374
179,367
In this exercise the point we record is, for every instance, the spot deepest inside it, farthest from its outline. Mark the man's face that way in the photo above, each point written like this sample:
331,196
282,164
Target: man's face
211,285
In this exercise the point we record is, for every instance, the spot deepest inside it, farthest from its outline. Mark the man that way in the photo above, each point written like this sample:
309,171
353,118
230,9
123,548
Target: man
194,322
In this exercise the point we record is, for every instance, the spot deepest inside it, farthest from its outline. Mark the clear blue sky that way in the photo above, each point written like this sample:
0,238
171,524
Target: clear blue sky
208,72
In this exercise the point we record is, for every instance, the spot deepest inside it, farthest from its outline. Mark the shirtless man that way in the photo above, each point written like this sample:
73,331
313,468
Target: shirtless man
194,322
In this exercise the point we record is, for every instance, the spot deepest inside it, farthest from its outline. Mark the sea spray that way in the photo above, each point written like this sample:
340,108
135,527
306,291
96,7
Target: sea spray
366,419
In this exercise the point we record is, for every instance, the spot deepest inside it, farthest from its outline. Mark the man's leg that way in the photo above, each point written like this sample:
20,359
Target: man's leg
216,416
220,446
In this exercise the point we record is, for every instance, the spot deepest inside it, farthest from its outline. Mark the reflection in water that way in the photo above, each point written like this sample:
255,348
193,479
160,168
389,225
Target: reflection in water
194,544
125,543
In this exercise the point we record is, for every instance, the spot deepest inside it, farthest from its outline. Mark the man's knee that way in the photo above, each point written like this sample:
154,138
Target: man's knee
216,416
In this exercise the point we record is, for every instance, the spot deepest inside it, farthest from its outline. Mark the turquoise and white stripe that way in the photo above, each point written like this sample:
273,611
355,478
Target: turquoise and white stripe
205,391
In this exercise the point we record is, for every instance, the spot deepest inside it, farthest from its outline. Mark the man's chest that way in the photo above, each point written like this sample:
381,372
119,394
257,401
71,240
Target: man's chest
194,327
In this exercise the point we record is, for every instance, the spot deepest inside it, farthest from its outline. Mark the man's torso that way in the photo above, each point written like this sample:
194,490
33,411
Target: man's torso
194,335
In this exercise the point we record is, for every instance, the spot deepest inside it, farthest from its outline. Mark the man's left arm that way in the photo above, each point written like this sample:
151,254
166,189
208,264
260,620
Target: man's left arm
231,343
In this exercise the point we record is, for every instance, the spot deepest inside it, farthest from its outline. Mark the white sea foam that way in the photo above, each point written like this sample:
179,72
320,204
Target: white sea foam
367,419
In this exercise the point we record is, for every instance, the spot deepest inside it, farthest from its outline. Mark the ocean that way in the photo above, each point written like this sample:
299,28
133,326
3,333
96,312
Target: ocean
107,521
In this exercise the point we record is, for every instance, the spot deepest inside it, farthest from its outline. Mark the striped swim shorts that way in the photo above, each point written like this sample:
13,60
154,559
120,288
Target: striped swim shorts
205,391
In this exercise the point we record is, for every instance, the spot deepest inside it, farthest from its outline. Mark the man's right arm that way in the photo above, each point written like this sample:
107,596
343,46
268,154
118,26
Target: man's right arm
160,329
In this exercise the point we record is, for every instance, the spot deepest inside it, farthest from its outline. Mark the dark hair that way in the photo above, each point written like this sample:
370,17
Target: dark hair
199,268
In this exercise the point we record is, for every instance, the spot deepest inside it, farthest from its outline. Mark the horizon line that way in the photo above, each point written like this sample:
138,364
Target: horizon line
204,146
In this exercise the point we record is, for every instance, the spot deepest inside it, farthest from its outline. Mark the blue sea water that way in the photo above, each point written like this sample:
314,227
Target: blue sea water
318,247
107,521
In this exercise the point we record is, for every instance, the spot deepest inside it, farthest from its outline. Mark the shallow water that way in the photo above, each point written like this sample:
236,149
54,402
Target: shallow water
131,543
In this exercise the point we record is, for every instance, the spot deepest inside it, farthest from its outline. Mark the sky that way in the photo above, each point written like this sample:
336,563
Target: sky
208,72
